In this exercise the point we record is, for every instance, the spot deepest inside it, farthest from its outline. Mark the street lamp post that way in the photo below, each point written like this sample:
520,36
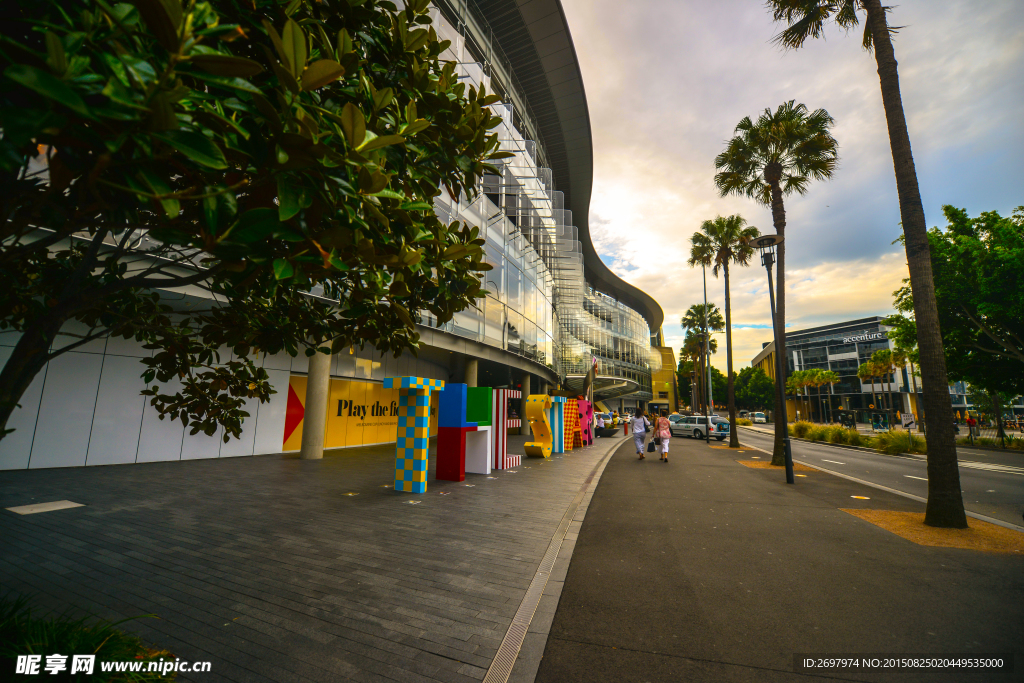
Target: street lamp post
767,245
708,404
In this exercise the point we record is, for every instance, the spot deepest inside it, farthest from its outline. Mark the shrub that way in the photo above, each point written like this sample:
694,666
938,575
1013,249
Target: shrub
801,428
744,422
817,433
899,441
22,632
855,438
836,434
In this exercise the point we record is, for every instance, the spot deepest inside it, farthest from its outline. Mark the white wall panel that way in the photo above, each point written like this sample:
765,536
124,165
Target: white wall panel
160,439
118,418
279,361
65,338
300,363
65,413
119,346
199,445
15,447
244,445
270,422
9,337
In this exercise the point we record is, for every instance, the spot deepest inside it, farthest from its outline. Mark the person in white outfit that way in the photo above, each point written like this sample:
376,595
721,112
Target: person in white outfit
640,426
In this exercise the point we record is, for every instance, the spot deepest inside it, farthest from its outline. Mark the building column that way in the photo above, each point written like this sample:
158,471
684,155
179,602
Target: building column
525,425
318,390
470,373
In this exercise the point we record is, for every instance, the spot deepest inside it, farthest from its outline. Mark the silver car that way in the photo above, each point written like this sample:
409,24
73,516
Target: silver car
697,427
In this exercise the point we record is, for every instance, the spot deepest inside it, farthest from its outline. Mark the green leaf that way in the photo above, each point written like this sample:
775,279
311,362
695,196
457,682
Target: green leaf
55,56
48,86
354,124
293,40
226,65
283,269
291,198
502,155
320,73
159,186
415,127
255,225
195,146
416,206
382,141
389,194
162,17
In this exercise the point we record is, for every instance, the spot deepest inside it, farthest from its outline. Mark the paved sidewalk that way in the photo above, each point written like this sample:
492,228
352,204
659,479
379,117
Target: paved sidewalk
703,569
268,568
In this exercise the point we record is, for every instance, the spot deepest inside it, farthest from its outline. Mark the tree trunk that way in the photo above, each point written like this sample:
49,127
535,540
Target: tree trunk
945,507
734,439
997,403
773,173
28,357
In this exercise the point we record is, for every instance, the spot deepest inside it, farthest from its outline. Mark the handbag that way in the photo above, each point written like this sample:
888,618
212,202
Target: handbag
647,426
650,447
657,440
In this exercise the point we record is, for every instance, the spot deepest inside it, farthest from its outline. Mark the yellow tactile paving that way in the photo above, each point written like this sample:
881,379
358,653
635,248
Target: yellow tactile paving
766,465
979,536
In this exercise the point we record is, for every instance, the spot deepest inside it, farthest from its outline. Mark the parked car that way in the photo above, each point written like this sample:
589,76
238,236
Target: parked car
675,417
759,418
696,427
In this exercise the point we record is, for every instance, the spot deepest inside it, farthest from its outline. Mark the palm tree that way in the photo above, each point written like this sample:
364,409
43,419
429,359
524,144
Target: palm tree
779,154
814,380
829,377
719,243
693,348
806,19
883,360
866,373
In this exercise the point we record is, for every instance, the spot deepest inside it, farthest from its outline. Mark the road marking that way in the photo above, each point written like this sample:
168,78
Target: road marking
910,476
833,461
860,497
799,475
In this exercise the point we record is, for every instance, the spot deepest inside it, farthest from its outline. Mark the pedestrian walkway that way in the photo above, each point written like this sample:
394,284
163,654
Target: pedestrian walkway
278,569
704,569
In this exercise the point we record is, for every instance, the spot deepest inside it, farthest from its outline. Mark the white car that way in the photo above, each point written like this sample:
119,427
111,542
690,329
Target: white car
697,427
759,418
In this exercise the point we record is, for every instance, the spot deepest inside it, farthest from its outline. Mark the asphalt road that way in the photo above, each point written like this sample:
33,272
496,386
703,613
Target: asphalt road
992,486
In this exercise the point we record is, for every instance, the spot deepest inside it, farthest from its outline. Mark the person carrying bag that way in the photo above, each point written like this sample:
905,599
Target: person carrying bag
662,434
640,427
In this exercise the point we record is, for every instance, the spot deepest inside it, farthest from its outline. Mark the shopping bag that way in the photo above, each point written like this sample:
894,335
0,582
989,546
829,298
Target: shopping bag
650,447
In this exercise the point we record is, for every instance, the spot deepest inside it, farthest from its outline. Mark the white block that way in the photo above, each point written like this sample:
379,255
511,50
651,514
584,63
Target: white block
16,447
117,422
243,446
65,413
160,439
271,416
199,446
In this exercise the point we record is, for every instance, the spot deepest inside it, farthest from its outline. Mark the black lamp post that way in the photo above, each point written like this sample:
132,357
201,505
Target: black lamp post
767,245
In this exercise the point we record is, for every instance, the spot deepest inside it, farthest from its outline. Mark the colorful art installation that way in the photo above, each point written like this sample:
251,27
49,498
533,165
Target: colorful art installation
538,411
462,446
500,424
556,418
586,412
413,437
571,420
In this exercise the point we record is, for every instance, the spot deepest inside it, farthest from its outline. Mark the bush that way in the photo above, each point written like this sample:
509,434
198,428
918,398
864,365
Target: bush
817,433
743,422
855,438
21,633
837,434
801,428
900,441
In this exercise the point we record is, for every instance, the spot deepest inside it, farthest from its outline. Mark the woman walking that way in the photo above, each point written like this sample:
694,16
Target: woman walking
640,427
662,434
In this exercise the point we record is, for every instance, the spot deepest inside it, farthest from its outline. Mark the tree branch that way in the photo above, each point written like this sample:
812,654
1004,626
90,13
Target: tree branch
1009,348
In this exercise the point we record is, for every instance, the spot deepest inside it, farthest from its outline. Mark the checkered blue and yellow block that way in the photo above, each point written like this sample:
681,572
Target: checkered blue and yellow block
412,445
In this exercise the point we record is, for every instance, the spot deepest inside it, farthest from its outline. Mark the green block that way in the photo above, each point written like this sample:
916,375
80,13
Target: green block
478,405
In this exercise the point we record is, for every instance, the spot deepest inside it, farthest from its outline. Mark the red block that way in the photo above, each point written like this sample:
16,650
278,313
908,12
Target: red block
451,453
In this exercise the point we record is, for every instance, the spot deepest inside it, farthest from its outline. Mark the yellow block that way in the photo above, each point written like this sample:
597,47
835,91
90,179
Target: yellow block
979,536
766,465
537,406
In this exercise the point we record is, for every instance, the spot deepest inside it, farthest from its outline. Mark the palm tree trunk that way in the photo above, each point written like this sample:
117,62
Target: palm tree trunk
945,507
734,439
773,173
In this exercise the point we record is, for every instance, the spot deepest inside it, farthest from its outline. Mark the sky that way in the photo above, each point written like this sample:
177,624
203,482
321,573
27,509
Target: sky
668,80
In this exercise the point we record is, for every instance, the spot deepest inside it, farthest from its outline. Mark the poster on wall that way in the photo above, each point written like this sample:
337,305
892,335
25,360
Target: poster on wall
358,414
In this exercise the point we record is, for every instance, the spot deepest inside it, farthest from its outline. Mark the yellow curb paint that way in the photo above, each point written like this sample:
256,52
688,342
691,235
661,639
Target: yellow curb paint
762,465
799,475
860,497
982,536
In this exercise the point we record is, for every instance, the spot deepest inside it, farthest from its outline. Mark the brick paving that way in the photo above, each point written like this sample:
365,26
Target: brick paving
264,567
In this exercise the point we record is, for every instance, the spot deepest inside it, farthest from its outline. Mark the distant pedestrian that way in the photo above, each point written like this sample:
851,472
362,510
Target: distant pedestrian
662,434
640,426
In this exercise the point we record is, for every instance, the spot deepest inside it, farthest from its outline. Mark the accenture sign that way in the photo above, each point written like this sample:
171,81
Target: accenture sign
871,336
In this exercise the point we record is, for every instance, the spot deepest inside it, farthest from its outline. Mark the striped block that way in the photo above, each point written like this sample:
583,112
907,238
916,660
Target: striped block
513,461
556,418
500,424
412,442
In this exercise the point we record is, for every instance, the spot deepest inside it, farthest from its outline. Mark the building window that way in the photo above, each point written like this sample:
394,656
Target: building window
662,394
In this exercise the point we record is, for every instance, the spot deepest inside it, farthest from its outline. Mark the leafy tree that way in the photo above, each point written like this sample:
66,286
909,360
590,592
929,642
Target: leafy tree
830,378
698,321
755,390
885,364
719,243
779,154
282,157
806,19
867,373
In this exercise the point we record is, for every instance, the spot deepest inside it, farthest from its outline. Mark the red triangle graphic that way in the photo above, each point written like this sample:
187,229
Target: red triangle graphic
296,411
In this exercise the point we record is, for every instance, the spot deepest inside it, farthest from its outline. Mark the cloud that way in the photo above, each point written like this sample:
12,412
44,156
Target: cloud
667,81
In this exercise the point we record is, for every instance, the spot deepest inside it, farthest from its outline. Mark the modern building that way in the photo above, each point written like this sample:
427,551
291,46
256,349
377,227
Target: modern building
552,305
663,382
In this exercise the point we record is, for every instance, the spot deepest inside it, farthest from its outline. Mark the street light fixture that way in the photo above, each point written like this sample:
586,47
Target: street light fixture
767,244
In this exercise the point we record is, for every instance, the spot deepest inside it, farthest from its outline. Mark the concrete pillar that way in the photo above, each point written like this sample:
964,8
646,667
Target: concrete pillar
470,372
525,428
314,422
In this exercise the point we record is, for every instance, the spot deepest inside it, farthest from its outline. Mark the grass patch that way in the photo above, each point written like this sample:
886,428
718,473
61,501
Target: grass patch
744,422
896,442
25,633
800,429
817,433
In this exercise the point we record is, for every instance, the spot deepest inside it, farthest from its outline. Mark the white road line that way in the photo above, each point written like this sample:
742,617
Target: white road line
910,476
833,461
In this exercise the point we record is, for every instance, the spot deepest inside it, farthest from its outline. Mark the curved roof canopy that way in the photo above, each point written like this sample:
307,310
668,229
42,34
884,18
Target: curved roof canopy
534,35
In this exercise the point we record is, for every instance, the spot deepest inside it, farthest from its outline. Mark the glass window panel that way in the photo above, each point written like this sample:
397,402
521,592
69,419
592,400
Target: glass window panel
515,331
494,321
468,322
494,279
530,307
515,288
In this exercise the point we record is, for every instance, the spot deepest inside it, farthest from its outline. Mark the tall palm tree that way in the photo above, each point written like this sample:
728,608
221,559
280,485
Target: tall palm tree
693,343
814,380
779,154
866,373
883,360
830,378
806,19
719,243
